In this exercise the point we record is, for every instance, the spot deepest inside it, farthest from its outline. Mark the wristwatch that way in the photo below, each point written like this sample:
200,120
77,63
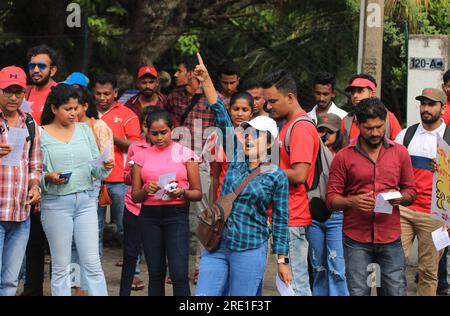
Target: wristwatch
284,260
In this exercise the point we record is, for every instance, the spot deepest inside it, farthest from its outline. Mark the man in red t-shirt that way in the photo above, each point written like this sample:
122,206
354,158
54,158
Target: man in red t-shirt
446,88
363,86
42,67
280,92
126,129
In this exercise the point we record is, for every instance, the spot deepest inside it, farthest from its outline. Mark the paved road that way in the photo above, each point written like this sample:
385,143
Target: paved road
112,253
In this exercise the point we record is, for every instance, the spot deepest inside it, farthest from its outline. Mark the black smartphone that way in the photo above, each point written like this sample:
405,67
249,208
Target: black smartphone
65,175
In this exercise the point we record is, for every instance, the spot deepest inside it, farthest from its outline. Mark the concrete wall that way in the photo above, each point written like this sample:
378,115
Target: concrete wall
420,74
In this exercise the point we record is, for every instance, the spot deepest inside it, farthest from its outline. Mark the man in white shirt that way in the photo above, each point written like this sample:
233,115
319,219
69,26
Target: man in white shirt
420,140
324,83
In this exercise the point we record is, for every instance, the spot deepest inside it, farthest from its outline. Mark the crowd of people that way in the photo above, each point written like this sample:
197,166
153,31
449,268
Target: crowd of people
158,159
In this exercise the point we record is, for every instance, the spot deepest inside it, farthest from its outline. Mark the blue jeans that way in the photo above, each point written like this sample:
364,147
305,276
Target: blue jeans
165,233
240,271
13,244
298,260
117,192
442,271
64,217
327,256
390,266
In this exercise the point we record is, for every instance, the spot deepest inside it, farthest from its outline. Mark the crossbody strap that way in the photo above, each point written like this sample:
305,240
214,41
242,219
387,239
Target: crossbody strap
247,179
194,101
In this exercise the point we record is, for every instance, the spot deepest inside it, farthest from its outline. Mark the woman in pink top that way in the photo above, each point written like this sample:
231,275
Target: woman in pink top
164,216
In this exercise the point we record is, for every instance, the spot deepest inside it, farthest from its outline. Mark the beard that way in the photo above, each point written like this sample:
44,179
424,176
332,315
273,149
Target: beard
323,105
43,81
147,94
372,144
431,120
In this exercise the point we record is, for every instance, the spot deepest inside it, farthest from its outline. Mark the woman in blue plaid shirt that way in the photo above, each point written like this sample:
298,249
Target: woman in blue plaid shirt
237,267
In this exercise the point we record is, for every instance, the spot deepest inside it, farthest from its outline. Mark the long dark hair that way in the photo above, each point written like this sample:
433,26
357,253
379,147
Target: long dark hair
339,142
86,97
159,115
58,96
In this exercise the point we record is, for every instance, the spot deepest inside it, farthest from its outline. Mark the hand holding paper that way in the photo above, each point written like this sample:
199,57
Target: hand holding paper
16,138
98,162
282,288
383,202
440,238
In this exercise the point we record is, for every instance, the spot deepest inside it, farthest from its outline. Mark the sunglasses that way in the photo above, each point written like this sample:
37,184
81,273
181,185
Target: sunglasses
41,66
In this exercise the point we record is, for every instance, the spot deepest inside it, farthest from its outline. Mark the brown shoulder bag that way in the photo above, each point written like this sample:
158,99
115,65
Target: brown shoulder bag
212,219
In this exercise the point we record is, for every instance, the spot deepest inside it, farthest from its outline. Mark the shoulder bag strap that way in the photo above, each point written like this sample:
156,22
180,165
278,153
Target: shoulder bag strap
194,101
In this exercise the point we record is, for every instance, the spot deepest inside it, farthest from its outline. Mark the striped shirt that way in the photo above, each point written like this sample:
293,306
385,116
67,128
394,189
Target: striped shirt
247,227
14,180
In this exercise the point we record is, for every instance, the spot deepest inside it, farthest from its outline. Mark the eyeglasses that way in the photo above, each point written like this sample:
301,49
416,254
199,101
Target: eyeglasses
18,94
41,66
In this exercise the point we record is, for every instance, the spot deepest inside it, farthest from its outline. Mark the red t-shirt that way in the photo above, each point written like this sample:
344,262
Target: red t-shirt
38,97
395,127
304,146
124,124
446,116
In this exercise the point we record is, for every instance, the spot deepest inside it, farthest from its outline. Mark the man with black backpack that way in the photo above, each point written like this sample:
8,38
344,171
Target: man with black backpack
420,140
20,180
298,162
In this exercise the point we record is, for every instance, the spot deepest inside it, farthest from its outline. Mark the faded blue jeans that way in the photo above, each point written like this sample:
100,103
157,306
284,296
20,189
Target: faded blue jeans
390,267
298,260
117,192
327,256
64,217
13,243
240,271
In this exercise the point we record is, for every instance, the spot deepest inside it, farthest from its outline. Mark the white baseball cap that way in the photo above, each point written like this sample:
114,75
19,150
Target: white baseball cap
262,123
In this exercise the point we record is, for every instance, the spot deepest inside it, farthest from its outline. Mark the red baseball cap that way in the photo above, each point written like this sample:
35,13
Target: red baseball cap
11,76
361,83
147,70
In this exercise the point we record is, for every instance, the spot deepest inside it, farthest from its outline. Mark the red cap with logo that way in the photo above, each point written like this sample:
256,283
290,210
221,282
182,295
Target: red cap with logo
147,70
361,83
11,76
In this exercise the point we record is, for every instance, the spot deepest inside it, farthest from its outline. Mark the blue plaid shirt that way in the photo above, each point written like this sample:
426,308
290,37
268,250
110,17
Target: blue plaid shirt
247,226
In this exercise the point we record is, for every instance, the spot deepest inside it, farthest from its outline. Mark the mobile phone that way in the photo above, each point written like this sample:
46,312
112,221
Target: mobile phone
65,175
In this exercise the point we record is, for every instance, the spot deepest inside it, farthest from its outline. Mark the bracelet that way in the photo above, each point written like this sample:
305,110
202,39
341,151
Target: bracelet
182,194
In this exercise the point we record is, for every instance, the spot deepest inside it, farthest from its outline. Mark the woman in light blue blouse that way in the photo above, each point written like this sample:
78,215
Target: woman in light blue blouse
69,201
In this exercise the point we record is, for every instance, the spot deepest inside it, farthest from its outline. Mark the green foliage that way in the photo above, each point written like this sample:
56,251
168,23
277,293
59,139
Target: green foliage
188,44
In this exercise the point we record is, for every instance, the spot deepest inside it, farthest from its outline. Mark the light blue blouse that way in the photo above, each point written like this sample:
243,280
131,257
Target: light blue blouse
71,157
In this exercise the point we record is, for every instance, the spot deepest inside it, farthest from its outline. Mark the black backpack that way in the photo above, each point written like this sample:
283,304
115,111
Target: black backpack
410,131
31,126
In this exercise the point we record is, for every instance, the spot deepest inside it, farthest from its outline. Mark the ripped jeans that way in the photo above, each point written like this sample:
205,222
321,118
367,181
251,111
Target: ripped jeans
326,255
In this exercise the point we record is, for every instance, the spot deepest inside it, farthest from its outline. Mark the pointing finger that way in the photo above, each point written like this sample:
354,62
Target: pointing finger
200,60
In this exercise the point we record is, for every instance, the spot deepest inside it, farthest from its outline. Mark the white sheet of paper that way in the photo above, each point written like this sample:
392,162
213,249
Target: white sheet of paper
391,195
164,180
16,138
440,238
282,289
382,206
102,158
26,106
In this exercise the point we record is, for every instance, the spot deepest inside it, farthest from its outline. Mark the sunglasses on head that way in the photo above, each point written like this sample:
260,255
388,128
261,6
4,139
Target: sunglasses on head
41,66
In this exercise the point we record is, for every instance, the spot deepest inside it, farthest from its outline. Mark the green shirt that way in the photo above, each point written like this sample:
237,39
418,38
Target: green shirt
71,157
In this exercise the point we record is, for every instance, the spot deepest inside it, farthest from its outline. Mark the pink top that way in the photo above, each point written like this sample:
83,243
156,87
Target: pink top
156,162
133,150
